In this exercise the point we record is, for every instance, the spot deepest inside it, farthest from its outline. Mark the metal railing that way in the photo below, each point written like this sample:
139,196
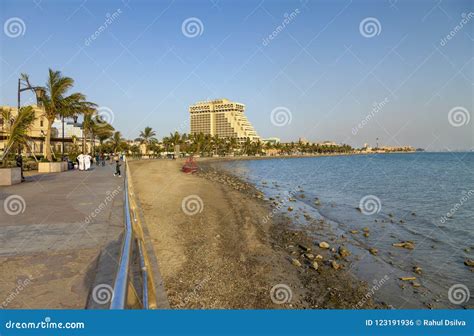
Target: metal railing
133,275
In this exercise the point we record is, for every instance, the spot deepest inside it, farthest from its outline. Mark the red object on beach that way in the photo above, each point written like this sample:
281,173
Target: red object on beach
190,166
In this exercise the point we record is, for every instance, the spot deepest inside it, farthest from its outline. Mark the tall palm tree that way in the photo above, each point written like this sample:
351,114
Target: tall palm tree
102,130
247,146
216,142
88,126
17,132
58,104
257,147
147,137
198,140
117,142
175,138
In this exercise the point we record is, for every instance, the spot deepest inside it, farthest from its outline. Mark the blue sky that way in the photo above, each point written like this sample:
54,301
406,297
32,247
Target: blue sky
319,70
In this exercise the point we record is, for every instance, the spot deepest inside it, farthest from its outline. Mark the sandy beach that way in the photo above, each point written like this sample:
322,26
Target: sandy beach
217,247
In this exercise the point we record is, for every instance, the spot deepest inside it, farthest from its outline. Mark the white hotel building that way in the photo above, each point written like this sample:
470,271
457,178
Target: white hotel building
223,118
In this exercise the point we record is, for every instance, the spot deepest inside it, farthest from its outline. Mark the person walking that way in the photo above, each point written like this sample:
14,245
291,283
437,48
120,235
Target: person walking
117,165
80,159
87,161
97,157
19,163
102,159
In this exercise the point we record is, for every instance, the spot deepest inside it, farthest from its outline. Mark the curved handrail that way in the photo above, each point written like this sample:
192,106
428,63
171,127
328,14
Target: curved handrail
133,246
119,297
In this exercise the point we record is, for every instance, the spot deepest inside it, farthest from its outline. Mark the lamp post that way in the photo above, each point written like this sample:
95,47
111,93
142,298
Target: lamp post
74,117
24,85
62,139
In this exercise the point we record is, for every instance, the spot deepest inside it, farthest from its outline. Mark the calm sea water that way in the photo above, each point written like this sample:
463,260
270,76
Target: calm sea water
432,194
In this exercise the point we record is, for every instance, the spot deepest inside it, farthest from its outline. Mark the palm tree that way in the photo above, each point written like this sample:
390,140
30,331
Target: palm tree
57,104
198,140
117,142
175,138
88,126
247,145
216,142
17,133
102,130
147,137
257,147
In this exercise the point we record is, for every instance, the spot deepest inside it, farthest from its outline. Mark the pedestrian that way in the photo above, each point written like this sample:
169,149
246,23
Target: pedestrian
102,159
87,161
19,163
117,165
80,159
97,157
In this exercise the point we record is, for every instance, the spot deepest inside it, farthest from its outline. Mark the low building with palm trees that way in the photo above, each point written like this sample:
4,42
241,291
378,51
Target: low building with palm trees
222,118
36,132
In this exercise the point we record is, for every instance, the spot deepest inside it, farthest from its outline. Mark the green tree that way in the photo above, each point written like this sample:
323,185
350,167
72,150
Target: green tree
17,132
117,143
147,137
58,104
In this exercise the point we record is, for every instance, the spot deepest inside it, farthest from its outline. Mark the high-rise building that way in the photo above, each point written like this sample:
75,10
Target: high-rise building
223,118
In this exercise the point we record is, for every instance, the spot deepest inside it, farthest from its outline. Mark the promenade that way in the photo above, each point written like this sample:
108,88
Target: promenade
60,235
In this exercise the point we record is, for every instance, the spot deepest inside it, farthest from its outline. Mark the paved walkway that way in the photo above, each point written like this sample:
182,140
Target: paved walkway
53,229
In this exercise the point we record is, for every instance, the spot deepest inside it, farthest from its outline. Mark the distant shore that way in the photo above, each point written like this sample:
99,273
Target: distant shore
275,157
223,250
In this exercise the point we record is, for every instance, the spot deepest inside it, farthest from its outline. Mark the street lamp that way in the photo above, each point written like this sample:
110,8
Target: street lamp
74,117
38,90
39,93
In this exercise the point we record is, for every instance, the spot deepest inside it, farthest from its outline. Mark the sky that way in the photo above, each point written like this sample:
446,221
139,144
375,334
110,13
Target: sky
348,71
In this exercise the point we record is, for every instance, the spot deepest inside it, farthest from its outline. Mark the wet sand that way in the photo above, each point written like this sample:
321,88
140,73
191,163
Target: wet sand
217,246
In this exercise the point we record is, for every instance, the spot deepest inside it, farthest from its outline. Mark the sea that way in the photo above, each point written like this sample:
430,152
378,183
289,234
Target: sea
426,199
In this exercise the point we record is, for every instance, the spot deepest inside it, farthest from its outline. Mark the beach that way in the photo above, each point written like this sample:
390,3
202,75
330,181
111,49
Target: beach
219,245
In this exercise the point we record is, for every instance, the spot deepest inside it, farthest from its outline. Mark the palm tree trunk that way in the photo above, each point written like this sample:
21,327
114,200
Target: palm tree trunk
92,143
47,142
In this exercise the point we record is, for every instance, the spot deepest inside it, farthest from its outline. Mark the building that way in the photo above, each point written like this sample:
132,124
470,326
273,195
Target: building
271,141
70,129
223,118
36,133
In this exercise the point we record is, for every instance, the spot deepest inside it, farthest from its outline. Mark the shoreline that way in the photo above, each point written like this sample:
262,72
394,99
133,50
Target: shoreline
370,262
297,242
228,255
